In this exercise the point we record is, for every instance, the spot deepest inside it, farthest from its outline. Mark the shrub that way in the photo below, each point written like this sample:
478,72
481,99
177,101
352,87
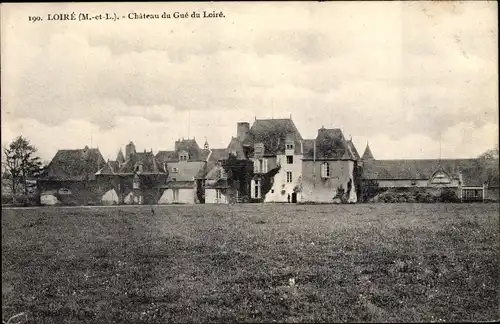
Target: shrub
448,195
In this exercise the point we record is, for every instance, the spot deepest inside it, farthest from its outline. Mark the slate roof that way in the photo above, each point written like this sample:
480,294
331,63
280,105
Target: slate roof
164,156
74,165
189,145
353,150
330,145
236,145
204,154
146,159
111,167
367,155
215,156
273,133
474,171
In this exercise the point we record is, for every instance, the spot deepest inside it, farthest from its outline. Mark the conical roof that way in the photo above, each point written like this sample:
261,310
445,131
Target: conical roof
368,155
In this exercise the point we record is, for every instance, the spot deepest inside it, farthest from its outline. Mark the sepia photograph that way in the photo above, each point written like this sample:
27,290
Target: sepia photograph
270,162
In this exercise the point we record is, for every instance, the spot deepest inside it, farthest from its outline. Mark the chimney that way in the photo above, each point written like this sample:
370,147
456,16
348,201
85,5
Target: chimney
243,128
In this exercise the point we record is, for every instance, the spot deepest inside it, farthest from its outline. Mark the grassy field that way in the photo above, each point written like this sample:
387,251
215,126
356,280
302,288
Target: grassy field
252,263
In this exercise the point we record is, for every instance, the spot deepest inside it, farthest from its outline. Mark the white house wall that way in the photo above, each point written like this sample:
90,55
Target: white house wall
317,189
185,196
211,197
280,183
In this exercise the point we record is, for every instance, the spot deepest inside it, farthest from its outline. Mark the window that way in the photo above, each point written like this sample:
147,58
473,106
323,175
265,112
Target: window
175,170
289,176
183,156
174,179
289,146
255,189
325,170
135,184
175,194
289,159
260,166
272,190
256,166
218,194
259,148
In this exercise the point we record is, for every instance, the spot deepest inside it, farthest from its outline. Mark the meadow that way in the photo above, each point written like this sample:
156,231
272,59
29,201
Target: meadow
252,263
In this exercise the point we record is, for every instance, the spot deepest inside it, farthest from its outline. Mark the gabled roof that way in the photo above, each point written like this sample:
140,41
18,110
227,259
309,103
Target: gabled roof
111,167
330,144
474,171
367,155
273,133
215,156
353,150
74,165
236,146
146,159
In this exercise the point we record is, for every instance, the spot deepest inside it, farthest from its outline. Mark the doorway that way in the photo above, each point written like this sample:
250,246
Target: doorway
294,197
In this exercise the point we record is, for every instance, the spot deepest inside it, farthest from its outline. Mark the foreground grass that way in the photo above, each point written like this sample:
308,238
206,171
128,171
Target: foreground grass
390,263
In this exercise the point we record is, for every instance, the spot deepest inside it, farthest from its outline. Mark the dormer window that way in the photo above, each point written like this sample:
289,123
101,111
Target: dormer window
183,156
259,148
139,168
289,146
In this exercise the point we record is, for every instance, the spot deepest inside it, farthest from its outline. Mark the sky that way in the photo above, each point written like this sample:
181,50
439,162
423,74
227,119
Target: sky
414,79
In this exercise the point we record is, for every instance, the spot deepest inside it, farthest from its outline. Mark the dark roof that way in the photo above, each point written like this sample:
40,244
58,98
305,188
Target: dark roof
204,154
74,165
164,156
367,155
146,159
236,145
330,145
214,157
353,150
111,167
189,145
474,171
273,133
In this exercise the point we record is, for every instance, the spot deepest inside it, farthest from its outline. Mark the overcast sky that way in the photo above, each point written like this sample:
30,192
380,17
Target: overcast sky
399,75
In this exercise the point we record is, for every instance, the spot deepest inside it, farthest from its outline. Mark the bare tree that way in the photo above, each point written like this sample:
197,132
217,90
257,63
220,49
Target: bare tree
490,154
21,162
